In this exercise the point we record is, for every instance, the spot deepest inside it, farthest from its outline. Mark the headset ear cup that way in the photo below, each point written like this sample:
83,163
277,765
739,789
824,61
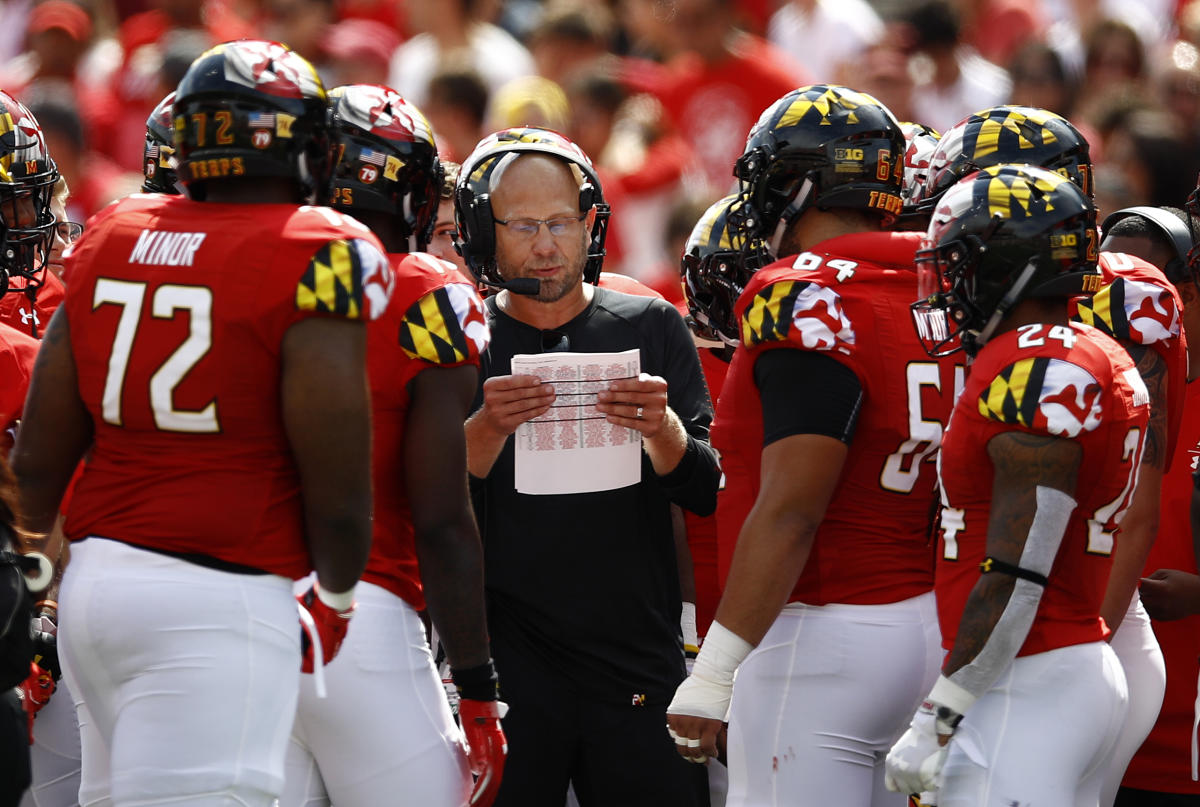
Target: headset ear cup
587,197
477,243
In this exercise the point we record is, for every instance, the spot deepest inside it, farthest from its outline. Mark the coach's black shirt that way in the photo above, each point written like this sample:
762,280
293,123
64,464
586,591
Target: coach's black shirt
585,586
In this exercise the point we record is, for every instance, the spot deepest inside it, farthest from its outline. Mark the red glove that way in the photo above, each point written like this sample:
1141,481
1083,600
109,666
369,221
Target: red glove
329,625
486,746
35,692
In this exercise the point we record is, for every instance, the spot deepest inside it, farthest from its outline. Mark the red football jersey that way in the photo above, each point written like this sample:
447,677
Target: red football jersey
177,311
435,319
31,317
1164,762
1072,382
849,298
1138,305
17,355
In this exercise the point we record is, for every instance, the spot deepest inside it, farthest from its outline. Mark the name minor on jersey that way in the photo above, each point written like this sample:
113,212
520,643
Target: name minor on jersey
161,248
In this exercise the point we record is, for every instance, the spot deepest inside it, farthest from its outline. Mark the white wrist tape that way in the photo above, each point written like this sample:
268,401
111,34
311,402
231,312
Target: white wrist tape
949,694
723,651
687,626
338,602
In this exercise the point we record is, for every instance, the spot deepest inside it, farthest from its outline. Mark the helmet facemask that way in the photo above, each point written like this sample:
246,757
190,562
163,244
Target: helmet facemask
25,211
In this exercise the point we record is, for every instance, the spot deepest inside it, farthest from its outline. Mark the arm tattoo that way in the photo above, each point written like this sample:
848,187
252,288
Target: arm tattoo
1153,369
1022,462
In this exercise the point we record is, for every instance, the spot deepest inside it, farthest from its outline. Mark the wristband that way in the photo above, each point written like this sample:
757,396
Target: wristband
337,602
947,693
687,626
477,683
51,604
723,651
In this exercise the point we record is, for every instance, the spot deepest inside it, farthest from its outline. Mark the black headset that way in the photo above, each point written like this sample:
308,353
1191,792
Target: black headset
1168,224
476,239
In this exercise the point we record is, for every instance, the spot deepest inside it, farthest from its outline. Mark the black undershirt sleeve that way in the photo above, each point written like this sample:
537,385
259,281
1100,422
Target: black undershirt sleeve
806,392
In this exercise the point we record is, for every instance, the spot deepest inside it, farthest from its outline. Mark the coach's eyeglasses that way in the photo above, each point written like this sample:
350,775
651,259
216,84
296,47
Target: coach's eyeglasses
68,230
555,342
528,228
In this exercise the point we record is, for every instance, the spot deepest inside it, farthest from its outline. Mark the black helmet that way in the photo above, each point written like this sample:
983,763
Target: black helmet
1002,235
717,263
256,109
386,160
158,167
473,202
27,179
1007,134
821,145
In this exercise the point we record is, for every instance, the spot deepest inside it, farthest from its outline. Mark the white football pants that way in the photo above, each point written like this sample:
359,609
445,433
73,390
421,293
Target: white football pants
1043,733
55,754
185,678
1146,678
817,705
384,734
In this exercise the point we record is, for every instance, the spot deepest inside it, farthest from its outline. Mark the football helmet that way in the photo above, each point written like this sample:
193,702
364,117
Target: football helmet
27,179
920,141
1002,235
1007,134
158,168
476,240
385,160
823,146
255,109
716,265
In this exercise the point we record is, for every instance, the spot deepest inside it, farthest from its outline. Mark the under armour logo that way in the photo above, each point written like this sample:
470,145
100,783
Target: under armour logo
27,316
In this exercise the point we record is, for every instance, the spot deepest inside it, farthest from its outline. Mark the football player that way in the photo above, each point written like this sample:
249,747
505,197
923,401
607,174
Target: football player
386,727
1037,467
27,179
210,359
158,155
1140,307
828,495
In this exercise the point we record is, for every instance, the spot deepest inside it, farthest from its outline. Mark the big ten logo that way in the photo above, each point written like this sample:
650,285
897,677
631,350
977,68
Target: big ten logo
848,154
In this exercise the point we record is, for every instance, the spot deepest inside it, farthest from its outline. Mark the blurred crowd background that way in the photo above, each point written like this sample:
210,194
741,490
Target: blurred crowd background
661,93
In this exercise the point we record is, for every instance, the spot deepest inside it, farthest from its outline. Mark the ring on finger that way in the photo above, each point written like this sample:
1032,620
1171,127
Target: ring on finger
640,412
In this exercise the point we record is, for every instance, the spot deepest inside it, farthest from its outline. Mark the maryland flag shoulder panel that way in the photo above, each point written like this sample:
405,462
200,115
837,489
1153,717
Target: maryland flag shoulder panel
446,326
346,277
799,311
1044,394
1133,311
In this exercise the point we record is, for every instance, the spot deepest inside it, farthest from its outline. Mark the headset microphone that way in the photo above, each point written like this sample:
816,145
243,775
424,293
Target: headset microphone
529,286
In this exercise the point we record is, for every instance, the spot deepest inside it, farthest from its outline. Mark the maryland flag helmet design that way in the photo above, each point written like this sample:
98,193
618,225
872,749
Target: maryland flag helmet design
717,263
27,178
1007,134
821,145
1000,236
920,141
385,160
158,164
473,204
252,108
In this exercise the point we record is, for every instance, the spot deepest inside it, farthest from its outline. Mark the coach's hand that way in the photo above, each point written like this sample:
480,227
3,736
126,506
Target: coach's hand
486,746
638,403
510,400
331,620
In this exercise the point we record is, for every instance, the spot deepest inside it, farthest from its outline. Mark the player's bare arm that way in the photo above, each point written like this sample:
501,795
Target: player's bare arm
55,432
1023,463
448,545
508,401
799,476
327,417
